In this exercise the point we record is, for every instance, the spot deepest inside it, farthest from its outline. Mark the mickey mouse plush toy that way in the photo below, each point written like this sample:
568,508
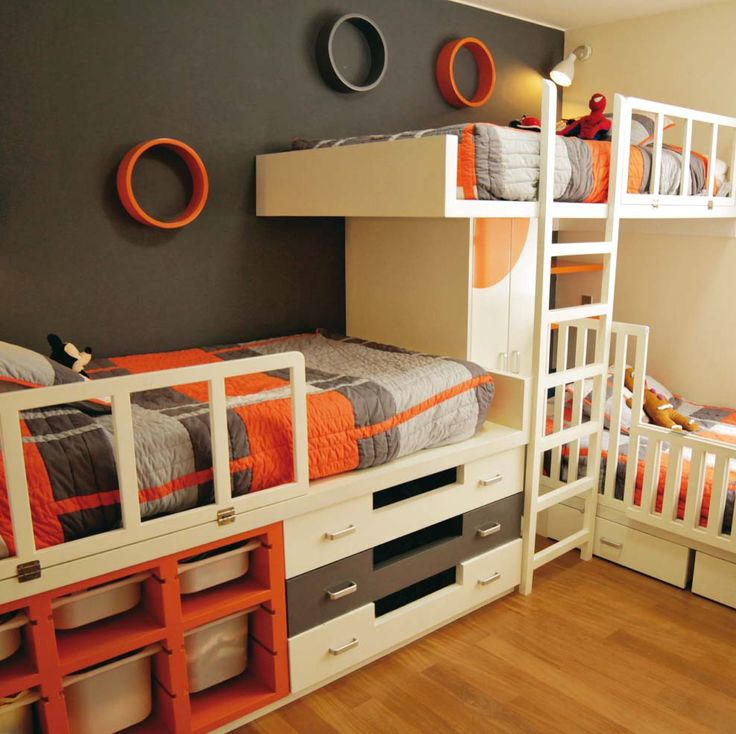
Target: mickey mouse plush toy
594,126
67,354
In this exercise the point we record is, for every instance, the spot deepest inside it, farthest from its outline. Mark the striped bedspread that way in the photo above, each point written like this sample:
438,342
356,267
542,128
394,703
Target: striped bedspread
496,162
367,404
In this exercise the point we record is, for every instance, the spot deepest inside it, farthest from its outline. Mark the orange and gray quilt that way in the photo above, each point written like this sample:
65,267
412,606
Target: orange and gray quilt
496,162
367,404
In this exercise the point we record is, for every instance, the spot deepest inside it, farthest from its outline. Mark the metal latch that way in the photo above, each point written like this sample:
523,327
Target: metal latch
226,516
28,571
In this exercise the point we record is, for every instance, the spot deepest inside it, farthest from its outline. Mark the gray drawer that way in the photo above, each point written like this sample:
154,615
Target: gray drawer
327,592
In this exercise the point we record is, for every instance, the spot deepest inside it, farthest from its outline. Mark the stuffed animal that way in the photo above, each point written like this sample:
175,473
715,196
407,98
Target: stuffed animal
659,409
590,127
527,123
67,354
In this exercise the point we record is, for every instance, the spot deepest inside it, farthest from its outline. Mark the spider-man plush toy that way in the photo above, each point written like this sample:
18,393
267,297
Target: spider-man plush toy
591,127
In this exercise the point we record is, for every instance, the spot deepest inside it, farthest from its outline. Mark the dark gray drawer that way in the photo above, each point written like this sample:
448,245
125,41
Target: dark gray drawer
337,588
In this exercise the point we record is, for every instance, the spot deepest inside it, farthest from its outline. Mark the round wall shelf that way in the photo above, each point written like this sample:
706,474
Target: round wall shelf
200,183
445,72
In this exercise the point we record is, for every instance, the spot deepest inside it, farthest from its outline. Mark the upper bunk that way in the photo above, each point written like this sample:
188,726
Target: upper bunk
418,176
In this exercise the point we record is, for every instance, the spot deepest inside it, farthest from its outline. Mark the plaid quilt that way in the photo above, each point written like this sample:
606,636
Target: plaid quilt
367,404
716,423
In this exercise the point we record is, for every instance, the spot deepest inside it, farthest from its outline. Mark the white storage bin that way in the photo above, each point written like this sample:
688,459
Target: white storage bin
16,713
217,651
91,605
216,567
10,638
111,696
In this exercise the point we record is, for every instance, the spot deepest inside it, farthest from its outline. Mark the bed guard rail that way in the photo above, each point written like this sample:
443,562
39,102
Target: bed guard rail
119,391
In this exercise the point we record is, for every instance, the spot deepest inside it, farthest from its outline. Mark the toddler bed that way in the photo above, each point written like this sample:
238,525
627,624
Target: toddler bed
496,162
367,404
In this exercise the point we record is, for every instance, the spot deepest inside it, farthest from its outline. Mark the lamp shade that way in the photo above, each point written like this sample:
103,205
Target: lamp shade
564,72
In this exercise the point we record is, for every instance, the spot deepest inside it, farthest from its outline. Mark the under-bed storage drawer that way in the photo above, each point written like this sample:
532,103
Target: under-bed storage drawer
329,591
353,638
642,552
715,579
321,537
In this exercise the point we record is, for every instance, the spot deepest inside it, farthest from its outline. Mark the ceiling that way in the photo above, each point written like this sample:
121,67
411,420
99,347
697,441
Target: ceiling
567,15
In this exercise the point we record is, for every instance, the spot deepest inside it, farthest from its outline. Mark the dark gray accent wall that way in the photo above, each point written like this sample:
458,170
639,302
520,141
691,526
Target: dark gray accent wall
81,81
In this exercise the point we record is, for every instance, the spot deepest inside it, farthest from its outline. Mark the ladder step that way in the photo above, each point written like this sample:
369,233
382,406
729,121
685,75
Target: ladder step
566,492
560,438
555,379
571,249
575,313
561,547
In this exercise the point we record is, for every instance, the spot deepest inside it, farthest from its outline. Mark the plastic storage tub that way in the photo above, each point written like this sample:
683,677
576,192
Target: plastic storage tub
111,696
91,605
10,638
217,651
16,713
215,567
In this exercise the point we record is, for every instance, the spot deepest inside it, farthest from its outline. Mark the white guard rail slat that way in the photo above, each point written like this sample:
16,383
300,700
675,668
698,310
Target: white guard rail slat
119,390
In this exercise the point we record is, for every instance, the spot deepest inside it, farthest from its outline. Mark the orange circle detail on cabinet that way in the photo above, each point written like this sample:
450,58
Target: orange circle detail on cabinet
497,247
200,183
445,72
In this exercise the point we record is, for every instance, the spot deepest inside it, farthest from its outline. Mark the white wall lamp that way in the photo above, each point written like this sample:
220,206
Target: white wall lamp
564,72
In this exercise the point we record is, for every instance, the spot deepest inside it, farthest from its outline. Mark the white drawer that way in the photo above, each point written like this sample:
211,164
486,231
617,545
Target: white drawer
560,521
343,643
715,579
642,552
334,532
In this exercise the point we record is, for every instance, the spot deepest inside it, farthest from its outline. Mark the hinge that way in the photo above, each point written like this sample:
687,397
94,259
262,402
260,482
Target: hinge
28,571
226,516
711,203
655,203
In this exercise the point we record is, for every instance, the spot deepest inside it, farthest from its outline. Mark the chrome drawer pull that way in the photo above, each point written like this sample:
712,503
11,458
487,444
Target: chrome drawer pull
493,577
612,543
490,529
347,646
341,533
492,480
339,593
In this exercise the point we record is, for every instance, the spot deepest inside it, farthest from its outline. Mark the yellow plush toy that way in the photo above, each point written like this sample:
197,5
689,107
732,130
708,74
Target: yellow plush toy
659,409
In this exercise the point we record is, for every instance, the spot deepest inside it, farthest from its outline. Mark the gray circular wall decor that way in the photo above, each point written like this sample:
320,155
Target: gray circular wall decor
328,65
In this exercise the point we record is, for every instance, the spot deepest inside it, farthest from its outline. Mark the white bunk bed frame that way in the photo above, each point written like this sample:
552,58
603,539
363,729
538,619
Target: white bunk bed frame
407,178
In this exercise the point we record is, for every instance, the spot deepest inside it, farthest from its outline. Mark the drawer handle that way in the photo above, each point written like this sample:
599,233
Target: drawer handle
341,533
347,646
492,480
612,543
493,577
490,529
339,593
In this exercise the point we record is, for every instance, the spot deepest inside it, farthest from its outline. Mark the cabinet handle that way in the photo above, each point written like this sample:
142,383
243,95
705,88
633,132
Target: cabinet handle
347,646
491,480
490,529
516,361
334,594
612,543
341,533
493,577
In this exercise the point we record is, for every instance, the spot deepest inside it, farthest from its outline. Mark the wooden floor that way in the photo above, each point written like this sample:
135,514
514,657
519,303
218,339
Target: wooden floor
596,648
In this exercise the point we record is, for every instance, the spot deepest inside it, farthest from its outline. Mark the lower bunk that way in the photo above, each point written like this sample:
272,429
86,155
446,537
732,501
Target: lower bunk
666,496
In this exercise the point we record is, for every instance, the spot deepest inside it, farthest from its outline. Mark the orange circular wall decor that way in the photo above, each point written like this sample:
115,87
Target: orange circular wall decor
200,183
445,72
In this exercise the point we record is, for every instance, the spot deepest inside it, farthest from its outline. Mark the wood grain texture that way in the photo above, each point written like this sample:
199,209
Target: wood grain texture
596,648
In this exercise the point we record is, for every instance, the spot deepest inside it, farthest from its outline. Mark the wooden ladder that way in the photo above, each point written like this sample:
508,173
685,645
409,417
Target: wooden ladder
596,317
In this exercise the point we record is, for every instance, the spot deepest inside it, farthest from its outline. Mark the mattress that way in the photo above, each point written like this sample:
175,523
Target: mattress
496,162
716,423
367,404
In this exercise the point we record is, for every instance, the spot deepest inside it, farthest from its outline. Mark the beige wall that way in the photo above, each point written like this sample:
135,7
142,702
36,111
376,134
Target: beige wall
683,287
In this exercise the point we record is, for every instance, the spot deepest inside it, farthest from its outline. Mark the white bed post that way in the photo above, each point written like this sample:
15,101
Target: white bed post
585,487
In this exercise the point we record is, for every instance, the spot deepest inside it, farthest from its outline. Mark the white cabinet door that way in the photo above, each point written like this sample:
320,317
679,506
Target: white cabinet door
521,295
490,293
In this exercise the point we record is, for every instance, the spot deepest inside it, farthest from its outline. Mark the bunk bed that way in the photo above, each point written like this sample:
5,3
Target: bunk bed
348,567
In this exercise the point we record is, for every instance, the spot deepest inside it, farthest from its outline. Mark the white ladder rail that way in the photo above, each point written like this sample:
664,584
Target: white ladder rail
585,487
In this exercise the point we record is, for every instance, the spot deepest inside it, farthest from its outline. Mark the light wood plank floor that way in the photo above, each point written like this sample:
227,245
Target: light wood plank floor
596,648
